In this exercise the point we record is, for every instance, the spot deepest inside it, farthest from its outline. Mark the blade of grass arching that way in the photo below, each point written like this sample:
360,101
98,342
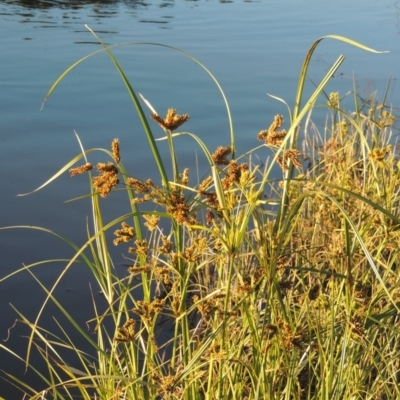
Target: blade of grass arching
36,264
69,69
298,116
292,130
199,142
232,133
289,224
142,117
65,168
306,63
284,102
65,73
297,107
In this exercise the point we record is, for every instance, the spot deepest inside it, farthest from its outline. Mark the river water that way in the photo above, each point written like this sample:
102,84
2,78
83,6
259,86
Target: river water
252,47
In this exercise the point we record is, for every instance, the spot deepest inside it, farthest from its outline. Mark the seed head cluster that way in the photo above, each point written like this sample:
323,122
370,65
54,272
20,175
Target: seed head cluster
172,120
272,136
80,170
220,156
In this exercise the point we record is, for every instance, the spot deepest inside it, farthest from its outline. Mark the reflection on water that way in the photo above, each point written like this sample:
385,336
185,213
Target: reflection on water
73,5
55,13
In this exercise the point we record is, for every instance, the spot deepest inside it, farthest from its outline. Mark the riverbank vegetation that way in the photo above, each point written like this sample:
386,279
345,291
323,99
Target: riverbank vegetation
242,285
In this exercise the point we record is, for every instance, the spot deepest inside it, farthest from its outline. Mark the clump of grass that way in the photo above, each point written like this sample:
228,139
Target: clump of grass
270,288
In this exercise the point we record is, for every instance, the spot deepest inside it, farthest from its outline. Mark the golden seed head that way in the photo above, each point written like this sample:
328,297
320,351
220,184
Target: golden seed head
139,269
139,186
378,154
205,185
81,169
142,248
127,332
185,177
125,234
262,135
152,221
107,179
166,247
196,250
115,150
272,136
386,119
275,138
172,120
293,156
109,167
342,128
276,124
334,99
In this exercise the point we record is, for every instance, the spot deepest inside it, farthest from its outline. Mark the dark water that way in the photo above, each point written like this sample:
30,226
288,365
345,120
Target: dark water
252,47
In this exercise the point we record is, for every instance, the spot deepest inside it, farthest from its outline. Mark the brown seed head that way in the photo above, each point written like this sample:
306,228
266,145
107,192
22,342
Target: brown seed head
278,122
205,185
220,155
209,217
105,182
293,156
139,186
166,247
172,120
125,234
109,167
142,248
272,136
81,169
127,332
386,119
152,221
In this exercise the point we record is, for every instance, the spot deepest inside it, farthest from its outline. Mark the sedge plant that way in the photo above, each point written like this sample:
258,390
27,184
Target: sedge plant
271,288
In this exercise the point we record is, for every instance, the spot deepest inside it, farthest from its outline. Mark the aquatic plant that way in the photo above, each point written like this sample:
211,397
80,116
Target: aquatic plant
270,288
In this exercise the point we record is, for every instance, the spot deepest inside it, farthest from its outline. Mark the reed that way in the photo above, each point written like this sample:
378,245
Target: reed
273,288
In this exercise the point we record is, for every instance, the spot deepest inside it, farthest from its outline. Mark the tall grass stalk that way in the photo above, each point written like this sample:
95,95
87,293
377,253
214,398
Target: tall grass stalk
272,288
